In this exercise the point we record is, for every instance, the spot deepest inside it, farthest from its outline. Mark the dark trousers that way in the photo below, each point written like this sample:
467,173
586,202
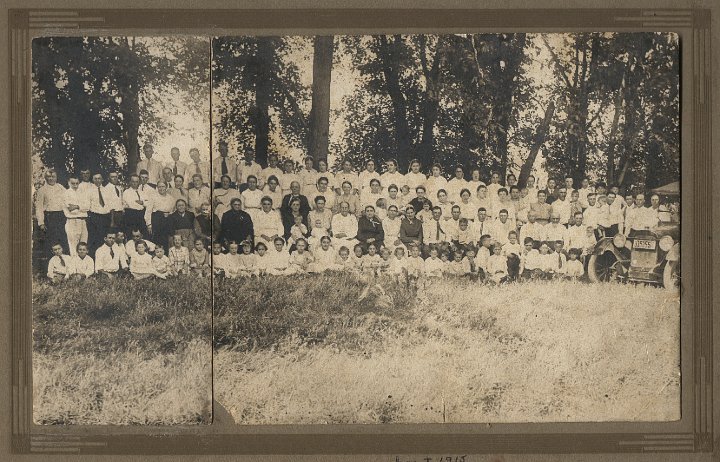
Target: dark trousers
161,229
98,225
135,219
611,231
55,232
513,266
116,221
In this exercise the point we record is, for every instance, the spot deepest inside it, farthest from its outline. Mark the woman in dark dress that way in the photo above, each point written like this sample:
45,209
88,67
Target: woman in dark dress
182,222
370,229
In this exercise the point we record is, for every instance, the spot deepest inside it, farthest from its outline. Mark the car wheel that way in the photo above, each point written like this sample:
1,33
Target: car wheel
604,268
671,276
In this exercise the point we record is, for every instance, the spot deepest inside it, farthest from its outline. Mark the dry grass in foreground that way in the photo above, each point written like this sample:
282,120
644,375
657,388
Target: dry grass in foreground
458,352
122,352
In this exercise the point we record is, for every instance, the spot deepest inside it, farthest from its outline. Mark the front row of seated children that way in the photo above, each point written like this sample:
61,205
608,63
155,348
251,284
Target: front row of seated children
492,261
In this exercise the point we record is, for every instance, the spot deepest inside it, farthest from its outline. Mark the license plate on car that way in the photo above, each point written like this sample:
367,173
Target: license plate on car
643,244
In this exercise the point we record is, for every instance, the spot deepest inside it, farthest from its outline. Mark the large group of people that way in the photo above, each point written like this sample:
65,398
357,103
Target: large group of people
240,219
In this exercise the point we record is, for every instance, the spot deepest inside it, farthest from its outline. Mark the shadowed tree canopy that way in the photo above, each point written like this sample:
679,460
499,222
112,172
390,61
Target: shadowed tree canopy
257,84
93,97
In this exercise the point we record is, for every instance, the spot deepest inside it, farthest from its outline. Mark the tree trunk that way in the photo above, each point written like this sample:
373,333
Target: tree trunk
392,82
263,98
431,102
538,141
128,89
320,112
610,166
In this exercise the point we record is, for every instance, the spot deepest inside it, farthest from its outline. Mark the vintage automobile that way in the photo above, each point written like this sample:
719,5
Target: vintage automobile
645,256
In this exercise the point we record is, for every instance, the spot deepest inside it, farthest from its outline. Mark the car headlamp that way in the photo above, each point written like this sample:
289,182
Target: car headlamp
619,240
666,243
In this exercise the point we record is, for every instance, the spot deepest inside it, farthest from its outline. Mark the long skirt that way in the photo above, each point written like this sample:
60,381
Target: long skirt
161,229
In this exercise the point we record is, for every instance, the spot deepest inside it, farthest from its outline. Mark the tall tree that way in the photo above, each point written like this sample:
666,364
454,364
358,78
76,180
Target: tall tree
320,111
255,69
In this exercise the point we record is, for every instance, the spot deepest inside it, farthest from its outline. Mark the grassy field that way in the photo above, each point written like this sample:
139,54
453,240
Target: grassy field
453,352
122,352
323,349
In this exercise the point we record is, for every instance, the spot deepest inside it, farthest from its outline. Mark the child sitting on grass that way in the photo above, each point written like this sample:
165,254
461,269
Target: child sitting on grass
370,263
179,256
301,258
497,266
560,256
278,263
464,236
434,266
325,257
247,261
415,265
574,267
356,258
59,265
343,259
530,261
470,268
232,261
141,265
397,267
261,251
218,260
548,262
455,267
199,259
161,262
512,251
82,265
385,255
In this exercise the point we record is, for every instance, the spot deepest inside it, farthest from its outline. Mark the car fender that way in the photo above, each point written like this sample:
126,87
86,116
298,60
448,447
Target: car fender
606,245
674,253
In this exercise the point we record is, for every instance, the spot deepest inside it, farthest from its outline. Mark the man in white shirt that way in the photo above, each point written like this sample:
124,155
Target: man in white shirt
76,209
135,202
108,262
85,180
532,229
501,227
223,165
577,233
113,199
554,231
198,194
562,205
434,233
591,214
137,236
177,166
482,224
247,167
583,192
152,166
197,167
633,214
650,216
49,205
308,177
99,215
344,227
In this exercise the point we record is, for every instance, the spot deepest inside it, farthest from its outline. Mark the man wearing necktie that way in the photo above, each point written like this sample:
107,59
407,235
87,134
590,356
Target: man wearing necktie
113,196
152,166
433,234
99,214
197,167
178,167
223,165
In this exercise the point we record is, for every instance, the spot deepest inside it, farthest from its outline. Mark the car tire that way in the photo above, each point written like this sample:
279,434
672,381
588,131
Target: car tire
671,276
599,265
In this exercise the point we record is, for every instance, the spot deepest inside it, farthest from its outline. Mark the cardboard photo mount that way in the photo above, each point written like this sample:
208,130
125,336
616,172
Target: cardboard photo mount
692,433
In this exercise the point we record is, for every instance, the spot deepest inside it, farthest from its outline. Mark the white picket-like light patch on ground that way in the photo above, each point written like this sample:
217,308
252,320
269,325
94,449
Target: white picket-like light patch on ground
531,352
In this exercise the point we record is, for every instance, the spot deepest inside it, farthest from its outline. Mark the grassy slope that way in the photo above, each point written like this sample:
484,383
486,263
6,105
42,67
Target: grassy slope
460,353
122,352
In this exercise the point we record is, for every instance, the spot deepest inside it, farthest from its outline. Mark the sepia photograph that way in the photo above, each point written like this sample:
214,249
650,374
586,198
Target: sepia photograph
446,228
121,297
